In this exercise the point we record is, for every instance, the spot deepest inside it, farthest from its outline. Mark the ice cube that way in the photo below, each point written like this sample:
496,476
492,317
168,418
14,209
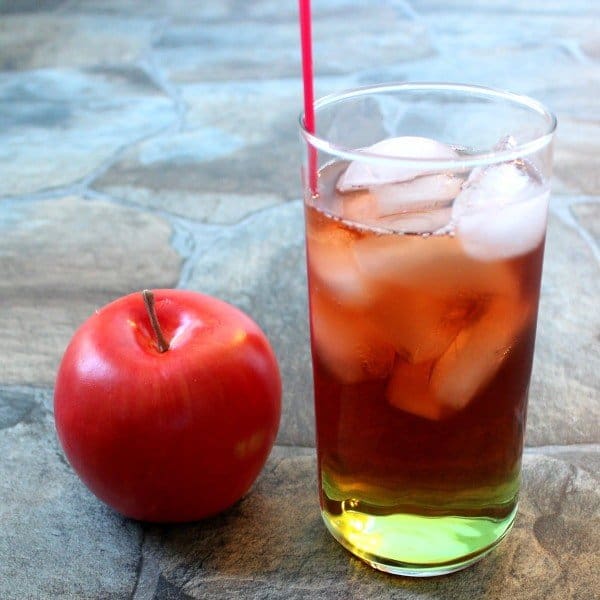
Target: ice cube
364,207
427,221
396,189
428,191
346,345
501,212
435,264
408,389
437,389
417,324
332,263
494,187
424,290
478,351
361,207
360,175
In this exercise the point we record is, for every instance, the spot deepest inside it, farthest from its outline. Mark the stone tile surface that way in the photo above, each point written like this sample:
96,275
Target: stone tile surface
243,48
591,48
534,7
57,540
155,144
291,554
577,157
60,260
37,40
564,398
25,6
203,207
272,544
587,214
237,138
60,125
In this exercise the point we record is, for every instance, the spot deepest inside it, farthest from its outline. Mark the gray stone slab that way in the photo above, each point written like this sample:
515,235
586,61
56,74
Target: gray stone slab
239,138
60,125
259,266
500,41
503,31
517,68
232,10
272,11
534,7
577,156
216,207
56,539
161,9
243,46
18,404
60,260
273,544
30,40
564,405
24,6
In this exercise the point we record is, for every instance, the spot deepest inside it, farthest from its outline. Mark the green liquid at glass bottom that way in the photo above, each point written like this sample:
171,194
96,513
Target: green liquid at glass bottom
407,543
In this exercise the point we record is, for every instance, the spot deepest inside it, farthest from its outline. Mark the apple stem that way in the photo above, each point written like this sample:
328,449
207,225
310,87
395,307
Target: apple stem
162,343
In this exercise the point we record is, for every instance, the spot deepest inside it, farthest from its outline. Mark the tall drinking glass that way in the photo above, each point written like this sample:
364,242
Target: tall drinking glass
426,216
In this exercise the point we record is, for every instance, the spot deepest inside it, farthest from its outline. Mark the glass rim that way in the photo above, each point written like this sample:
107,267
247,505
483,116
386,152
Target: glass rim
463,162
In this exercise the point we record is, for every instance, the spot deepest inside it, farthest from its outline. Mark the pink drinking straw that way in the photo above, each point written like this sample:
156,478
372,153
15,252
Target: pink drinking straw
309,95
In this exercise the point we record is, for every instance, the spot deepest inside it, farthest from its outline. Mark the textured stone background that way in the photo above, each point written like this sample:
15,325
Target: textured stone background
154,144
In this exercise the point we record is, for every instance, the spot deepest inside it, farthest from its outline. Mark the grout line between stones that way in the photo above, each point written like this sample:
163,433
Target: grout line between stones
149,65
558,448
82,187
573,47
563,211
195,228
24,389
408,8
140,565
88,180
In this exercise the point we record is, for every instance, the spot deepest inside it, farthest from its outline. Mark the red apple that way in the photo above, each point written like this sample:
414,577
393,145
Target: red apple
168,434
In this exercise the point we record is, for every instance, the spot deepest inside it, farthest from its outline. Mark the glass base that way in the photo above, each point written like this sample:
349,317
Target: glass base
414,545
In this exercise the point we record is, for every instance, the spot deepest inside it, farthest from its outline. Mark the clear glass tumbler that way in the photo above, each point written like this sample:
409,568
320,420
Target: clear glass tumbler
426,209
